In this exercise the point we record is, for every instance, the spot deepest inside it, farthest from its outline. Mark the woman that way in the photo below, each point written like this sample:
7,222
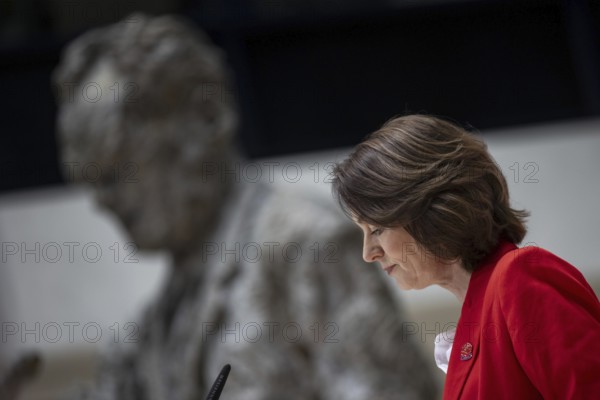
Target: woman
434,209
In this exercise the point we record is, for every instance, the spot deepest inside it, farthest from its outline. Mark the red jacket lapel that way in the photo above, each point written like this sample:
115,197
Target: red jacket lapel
465,347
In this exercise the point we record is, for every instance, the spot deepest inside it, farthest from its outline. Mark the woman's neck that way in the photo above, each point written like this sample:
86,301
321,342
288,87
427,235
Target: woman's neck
457,281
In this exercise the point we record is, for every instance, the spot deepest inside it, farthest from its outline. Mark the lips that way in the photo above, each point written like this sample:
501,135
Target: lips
389,269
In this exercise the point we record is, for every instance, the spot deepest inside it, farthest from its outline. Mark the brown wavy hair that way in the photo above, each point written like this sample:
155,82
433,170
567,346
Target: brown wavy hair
434,179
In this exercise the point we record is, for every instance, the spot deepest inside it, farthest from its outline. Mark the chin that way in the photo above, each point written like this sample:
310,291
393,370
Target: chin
402,285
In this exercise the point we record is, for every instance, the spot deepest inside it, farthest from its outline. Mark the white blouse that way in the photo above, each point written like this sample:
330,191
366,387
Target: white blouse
443,348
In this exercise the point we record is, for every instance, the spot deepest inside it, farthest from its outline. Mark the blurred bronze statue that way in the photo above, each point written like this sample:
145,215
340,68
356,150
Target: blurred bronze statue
20,373
263,279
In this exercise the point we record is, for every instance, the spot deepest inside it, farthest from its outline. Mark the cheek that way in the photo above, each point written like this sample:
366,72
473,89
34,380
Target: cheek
394,249
405,260
406,269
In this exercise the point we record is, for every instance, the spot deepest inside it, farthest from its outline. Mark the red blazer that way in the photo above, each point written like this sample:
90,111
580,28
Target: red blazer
529,329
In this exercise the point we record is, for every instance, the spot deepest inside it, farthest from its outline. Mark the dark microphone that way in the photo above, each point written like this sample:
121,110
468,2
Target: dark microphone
217,387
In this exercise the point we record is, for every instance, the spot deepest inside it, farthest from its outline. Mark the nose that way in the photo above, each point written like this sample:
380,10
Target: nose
371,250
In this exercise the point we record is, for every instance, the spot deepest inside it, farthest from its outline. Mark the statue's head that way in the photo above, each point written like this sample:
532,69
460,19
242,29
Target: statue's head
145,107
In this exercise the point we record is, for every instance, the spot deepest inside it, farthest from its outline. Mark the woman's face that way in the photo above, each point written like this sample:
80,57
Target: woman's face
402,258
